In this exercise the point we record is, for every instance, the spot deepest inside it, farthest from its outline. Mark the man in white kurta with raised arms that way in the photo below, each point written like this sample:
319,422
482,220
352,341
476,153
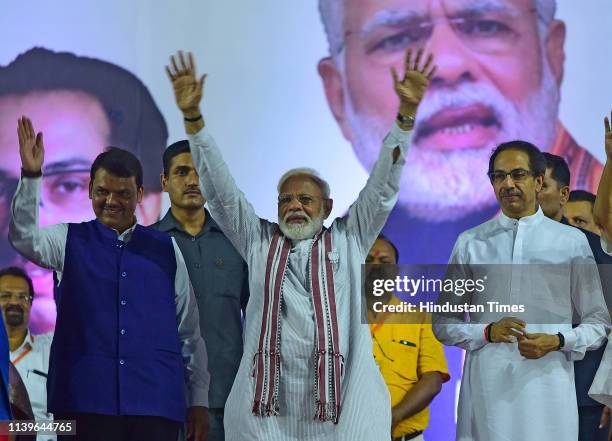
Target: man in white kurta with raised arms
307,372
518,379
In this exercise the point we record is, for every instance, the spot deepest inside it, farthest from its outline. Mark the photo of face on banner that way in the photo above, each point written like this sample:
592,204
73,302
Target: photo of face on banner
500,66
82,105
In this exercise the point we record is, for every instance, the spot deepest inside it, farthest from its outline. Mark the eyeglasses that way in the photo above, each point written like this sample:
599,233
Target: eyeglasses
489,32
6,297
305,200
517,175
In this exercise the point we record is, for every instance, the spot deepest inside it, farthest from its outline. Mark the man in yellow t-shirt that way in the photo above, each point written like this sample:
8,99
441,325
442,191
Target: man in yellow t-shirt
410,358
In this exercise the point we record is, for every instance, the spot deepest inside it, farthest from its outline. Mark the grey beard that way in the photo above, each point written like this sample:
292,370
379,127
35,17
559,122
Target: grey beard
448,185
307,230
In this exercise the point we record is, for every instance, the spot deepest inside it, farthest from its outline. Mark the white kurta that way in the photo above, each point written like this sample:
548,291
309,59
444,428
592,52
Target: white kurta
504,396
366,409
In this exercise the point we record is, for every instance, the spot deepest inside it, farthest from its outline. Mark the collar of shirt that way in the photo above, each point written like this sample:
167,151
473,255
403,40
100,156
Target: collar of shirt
27,344
125,236
531,220
169,223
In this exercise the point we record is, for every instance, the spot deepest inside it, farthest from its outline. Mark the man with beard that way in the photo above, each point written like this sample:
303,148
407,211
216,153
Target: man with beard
127,347
82,105
500,68
217,272
29,353
307,369
552,199
407,353
523,391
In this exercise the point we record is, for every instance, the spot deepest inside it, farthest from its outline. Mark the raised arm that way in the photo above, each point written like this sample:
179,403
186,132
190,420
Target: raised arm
43,246
369,213
226,202
602,211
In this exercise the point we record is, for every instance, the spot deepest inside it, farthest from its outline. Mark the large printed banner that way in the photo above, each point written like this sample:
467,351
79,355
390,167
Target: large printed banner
304,84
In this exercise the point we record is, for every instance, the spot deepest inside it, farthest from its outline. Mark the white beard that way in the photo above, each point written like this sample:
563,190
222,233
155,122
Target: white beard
448,185
306,230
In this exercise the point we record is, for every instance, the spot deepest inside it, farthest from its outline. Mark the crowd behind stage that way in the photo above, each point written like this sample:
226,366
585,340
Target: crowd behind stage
215,324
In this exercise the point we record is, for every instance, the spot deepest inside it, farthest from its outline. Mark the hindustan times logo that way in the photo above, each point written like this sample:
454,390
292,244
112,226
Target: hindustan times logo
411,286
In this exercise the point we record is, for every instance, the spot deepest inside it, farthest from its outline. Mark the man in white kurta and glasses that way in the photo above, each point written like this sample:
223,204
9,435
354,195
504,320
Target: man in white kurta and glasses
307,372
518,379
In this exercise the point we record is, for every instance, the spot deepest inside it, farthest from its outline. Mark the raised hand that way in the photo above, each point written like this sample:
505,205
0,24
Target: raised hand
411,88
31,147
608,138
188,89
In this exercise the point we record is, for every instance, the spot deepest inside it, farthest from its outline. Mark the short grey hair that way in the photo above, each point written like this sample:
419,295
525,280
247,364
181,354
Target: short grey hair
332,16
307,172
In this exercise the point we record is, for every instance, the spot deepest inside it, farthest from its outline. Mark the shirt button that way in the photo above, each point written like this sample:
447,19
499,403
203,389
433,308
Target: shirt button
197,265
193,239
123,274
123,332
119,245
123,303
121,362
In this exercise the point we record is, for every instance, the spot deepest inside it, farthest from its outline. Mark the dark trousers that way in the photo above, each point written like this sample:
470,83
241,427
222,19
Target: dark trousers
215,424
588,424
96,427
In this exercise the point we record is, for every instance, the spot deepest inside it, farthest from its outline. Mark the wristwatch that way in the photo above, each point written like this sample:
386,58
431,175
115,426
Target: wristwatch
405,120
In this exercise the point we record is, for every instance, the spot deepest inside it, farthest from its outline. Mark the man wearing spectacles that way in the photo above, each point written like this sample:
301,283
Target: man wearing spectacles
307,367
29,353
82,105
518,380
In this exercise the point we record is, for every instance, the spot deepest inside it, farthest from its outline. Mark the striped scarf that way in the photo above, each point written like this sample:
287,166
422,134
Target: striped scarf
329,363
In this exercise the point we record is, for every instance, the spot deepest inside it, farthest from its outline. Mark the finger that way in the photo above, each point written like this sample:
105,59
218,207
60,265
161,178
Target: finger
182,58
427,63
395,76
417,61
30,128
201,83
431,73
176,69
603,420
39,140
191,62
407,60
607,124
20,131
169,74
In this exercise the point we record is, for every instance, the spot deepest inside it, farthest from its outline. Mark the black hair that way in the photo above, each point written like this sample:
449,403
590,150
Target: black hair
118,162
134,119
581,196
537,162
18,272
386,239
559,170
174,150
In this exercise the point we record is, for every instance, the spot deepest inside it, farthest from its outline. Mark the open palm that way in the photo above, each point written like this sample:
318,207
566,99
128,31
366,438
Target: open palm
412,87
188,89
608,138
31,146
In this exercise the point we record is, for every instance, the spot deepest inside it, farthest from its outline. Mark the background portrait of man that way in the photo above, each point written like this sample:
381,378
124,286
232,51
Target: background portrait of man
82,105
500,68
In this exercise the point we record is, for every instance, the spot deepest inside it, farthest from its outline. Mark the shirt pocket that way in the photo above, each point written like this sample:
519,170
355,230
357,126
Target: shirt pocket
404,354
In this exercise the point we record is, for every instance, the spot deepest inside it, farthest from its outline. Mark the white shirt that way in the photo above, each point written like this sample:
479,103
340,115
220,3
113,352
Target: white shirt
31,360
46,247
504,396
366,407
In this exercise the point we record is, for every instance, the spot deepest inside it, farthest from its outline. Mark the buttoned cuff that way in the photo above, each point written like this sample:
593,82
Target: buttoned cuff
198,396
397,137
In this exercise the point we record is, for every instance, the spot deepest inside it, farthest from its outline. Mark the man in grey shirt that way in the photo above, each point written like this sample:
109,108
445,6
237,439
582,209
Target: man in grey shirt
217,272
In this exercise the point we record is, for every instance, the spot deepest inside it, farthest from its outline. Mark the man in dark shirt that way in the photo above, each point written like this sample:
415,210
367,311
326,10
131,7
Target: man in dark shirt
217,272
554,195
